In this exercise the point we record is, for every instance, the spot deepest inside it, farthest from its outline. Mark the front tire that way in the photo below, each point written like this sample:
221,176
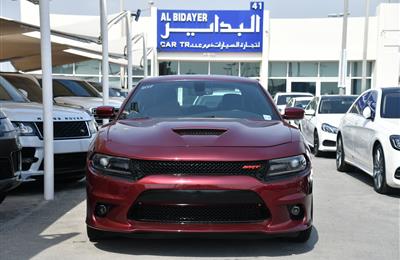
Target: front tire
379,172
2,197
316,151
341,164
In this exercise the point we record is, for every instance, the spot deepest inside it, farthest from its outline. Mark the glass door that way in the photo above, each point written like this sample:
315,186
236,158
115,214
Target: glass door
303,86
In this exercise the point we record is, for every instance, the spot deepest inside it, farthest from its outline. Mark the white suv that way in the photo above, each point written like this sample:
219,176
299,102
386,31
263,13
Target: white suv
74,130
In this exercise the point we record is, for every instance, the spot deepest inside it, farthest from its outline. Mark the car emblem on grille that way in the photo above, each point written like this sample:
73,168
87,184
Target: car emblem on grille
82,131
251,167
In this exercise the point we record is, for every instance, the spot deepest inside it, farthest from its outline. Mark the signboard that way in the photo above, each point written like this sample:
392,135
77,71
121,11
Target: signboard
211,31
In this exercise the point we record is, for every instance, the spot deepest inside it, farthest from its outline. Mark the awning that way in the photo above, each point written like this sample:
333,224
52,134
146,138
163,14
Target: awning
20,44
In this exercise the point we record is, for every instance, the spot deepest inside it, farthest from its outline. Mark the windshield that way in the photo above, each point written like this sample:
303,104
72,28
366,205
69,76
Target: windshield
391,104
284,99
75,88
113,92
176,99
33,90
336,105
9,93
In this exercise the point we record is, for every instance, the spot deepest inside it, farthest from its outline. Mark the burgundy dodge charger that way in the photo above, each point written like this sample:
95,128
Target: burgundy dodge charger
199,154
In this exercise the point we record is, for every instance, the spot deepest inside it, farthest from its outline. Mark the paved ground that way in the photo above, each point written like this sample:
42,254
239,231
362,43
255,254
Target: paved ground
351,222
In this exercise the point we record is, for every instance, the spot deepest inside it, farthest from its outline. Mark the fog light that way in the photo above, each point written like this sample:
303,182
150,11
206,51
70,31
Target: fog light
296,212
101,210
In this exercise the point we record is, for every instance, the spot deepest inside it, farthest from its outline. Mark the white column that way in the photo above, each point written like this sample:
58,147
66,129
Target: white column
104,63
145,74
343,54
153,42
365,46
128,22
45,48
265,52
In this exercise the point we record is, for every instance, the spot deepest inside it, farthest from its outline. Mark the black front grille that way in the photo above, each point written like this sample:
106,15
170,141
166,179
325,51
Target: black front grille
199,206
253,168
329,143
199,131
67,130
28,157
68,162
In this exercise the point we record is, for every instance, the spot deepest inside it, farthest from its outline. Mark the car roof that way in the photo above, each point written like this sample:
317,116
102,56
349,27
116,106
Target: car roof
336,96
171,78
301,98
294,93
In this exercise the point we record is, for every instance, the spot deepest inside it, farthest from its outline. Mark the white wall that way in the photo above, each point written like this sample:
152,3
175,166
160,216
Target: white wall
319,39
387,68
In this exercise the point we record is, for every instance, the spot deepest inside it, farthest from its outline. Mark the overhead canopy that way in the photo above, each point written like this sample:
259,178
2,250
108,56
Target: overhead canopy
20,44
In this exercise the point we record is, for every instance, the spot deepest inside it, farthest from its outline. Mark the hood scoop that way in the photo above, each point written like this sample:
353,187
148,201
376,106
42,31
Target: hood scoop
199,131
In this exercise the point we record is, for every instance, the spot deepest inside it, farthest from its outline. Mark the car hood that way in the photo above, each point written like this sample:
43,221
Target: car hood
168,133
33,112
332,119
87,102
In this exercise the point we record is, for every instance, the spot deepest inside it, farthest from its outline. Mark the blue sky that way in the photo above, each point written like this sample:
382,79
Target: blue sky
278,8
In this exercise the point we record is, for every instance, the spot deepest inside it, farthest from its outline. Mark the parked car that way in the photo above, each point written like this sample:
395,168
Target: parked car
369,137
321,121
114,92
212,100
166,165
73,132
76,92
300,102
282,98
9,156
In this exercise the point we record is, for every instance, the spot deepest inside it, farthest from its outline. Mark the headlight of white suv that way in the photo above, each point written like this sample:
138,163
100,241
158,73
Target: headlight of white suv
93,127
329,128
25,128
286,165
395,141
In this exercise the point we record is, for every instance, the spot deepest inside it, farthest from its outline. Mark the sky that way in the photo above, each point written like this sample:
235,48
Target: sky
278,8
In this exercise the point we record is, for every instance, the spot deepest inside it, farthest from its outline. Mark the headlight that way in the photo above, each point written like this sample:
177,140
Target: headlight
395,141
6,128
25,128
110,165
92,126
286,165
328,128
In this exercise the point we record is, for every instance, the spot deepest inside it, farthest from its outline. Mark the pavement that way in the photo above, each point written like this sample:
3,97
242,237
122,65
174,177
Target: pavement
351,221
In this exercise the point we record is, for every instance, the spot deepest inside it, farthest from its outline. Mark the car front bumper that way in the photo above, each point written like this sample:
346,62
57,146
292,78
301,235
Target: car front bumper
327,141
392,166
70,151
121,195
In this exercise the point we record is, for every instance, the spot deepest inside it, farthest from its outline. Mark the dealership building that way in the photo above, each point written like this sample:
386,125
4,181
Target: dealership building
299,54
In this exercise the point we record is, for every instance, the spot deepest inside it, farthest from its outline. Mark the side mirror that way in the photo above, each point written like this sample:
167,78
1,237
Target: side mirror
367,113
293,113
310,112
105,112
23,92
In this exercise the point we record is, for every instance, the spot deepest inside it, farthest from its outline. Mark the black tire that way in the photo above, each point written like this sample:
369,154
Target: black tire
379,171
341,164
302,236
316,151
95,235
2,197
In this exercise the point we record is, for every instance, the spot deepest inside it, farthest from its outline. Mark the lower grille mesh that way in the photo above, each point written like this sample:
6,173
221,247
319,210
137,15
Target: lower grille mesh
199,206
